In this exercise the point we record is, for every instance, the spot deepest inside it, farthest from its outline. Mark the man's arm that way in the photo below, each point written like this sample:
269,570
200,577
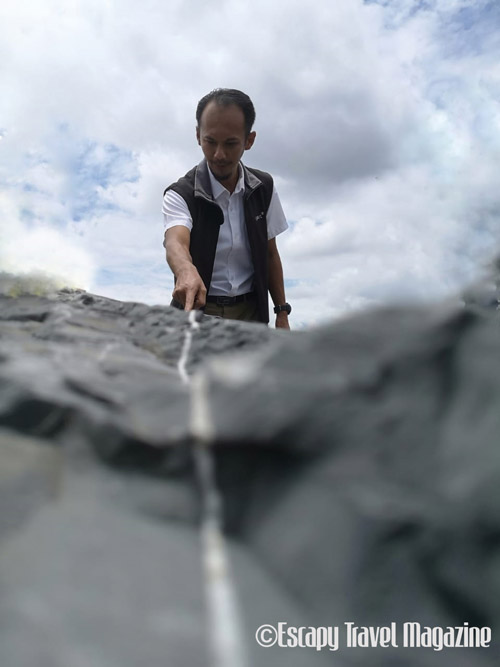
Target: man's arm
276,283
189,287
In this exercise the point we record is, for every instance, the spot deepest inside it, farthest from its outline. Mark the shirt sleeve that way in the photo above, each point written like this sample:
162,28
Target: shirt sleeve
276,220
175,211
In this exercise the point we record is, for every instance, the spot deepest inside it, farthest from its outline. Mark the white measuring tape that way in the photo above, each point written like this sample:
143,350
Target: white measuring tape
225,619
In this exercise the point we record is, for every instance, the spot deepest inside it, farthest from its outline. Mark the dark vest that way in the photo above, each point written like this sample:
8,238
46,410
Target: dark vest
195,189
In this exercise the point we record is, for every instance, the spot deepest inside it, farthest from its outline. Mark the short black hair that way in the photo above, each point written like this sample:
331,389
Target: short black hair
225,97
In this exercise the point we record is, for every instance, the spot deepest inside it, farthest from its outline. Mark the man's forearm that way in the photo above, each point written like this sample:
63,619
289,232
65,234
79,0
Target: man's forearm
189,289
177,255
276,284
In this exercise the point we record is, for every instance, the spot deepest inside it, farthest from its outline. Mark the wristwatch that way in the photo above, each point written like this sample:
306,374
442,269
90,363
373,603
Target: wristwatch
286,307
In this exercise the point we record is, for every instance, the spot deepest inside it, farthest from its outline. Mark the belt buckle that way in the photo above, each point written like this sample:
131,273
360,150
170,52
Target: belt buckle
225,300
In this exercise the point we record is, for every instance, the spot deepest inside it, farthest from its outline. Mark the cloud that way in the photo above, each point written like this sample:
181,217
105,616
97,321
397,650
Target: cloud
382,137
38,249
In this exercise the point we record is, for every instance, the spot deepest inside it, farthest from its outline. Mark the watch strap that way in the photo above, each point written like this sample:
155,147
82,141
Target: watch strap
284,307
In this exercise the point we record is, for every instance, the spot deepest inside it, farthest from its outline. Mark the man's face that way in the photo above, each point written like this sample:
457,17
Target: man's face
223,140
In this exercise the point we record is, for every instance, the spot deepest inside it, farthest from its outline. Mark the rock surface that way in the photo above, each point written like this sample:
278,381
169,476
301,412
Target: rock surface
358,467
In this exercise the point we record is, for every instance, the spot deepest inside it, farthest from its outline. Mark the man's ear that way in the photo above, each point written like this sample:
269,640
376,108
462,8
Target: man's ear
249,140
198,135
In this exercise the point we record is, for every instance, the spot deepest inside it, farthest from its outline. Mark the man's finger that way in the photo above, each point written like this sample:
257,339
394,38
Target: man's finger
188,305
178,296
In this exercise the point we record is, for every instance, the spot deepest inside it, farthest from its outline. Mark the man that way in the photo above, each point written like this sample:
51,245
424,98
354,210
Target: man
222,218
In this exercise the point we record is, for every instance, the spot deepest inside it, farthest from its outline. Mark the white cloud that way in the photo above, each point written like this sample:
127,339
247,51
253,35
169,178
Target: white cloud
38,249
380,122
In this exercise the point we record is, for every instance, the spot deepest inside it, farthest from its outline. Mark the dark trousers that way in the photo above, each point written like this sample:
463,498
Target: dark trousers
246,310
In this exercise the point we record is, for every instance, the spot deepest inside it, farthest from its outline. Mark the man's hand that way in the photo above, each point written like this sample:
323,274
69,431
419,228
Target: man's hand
282,320
189,288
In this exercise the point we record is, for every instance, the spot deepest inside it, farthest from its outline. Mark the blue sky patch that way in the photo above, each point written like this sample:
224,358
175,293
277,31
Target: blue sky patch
97,167
472,30
89,168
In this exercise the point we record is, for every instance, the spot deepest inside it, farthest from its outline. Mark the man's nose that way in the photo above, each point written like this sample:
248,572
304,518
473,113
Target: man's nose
220,154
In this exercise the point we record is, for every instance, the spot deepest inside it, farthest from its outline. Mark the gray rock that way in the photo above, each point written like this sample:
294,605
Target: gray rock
358,468
29,478
368,475
483,296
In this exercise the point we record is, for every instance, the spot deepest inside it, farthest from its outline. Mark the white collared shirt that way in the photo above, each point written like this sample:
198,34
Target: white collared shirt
233,266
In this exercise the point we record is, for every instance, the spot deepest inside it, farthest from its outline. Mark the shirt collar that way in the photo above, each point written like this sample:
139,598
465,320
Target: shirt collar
218,189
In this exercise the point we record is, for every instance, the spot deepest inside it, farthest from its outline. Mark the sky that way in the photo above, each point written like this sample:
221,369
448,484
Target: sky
379,120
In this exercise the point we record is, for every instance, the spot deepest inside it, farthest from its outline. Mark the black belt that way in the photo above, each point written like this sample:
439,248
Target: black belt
230,300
